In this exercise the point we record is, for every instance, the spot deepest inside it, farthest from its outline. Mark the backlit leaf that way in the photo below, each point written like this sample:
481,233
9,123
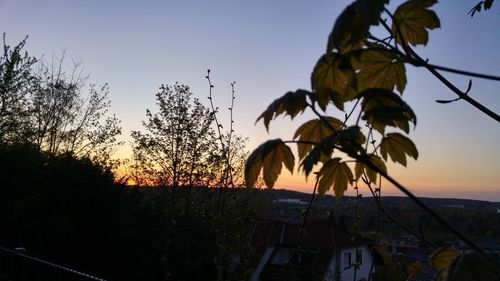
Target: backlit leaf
378,68
292,103
322,149
377,161
386,268
270,157
333,80
442,258
477,8
470,266
350,140
314,131
413,19
358,170
370,10
414,268
385,108
351,27
334,174
253,166
487,4
398,146
372,175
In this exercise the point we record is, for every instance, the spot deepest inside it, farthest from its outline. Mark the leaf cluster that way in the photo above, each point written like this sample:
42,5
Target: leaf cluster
362,72
364,78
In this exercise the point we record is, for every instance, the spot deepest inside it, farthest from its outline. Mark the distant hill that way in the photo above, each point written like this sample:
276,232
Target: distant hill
479,219
390,200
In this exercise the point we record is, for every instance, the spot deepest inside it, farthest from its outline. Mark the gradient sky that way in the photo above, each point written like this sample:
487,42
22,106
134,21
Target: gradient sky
269,48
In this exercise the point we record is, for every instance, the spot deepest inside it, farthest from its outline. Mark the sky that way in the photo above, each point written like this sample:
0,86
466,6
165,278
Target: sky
269,48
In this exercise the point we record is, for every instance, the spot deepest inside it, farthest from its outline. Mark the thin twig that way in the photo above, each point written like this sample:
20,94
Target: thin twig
431,212
466,73
462,95
364,159
302,229
214,110
414,59
350,113
392,219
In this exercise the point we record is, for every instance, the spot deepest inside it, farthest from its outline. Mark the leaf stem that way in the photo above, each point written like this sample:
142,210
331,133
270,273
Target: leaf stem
302,229
462,95
322,118
431,212
414,59
463,72
387,214
350,113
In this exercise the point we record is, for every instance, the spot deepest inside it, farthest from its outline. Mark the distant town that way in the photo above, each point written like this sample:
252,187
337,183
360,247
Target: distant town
478,219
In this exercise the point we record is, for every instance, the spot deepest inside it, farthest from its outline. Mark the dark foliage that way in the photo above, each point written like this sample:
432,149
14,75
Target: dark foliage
68,211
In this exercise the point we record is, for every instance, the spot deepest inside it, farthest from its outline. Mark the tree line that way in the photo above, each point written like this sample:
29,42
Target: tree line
60,198
53,109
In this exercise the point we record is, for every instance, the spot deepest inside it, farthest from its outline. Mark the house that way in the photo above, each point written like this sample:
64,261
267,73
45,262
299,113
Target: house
326,251
406,255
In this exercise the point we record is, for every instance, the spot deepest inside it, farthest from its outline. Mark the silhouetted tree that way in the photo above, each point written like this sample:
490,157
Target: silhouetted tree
42,104
177,143
15,83
65,119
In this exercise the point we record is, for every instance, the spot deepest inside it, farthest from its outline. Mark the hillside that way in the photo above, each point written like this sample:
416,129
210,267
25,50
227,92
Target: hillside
478,219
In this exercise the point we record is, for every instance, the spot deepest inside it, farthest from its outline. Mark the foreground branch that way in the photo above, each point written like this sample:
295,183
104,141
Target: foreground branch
413,58
431,212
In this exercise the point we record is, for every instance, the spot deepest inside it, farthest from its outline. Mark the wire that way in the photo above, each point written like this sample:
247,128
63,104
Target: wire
52,264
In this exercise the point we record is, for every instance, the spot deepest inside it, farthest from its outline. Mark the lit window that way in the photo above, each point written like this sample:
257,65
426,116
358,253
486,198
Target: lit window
347,260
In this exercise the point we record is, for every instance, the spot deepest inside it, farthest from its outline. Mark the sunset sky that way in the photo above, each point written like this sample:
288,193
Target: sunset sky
269,48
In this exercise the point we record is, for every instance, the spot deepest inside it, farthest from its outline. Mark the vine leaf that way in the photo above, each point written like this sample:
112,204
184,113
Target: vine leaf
292,103
477,8
358,170
470,266
378,68
397,147
412,18
414,268
370,10
313,131
372,175
385,108
388,268
349,29
352,26
333,80
269,157
349,139
334,174
442,258
321,150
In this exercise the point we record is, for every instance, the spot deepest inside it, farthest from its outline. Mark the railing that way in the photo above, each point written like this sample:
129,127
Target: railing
17,266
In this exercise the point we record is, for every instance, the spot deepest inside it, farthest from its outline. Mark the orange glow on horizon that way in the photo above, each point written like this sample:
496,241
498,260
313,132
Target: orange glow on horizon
422,182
